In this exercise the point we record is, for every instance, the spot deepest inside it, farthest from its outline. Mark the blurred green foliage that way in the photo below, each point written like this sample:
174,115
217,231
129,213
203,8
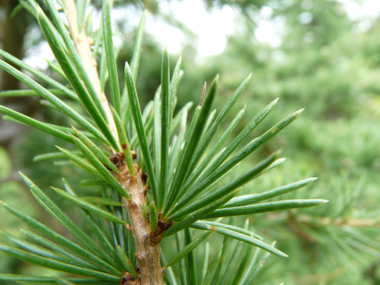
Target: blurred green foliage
329,64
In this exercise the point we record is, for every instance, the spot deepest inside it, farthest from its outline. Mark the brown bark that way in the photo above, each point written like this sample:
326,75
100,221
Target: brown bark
147,243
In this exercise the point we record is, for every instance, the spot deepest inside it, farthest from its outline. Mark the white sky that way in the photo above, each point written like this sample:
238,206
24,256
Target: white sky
212,27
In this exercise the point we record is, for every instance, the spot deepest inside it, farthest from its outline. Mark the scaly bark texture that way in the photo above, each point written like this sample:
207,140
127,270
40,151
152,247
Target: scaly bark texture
147,243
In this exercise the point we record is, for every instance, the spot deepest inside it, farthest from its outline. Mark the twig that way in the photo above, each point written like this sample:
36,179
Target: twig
82,44
320,278
338,222
147,243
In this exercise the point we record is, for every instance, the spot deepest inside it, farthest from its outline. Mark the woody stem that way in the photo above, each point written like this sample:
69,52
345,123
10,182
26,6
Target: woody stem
147,245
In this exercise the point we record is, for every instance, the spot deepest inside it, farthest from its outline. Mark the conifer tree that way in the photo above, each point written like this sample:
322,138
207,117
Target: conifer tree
157,173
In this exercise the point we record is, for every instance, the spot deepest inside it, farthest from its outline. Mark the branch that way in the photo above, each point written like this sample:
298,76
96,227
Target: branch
320,278
340,222
315,221
82,44
147,242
